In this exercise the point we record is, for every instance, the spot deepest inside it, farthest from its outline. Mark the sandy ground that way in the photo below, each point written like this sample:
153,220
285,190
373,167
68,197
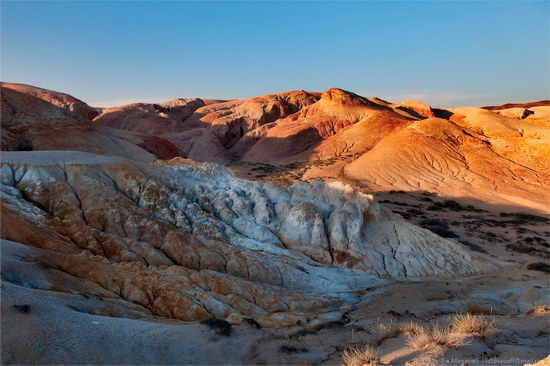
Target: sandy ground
55,330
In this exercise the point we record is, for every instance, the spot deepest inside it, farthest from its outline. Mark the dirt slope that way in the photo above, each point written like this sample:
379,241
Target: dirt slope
65,101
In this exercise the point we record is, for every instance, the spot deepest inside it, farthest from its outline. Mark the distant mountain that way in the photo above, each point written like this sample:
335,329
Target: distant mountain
498,154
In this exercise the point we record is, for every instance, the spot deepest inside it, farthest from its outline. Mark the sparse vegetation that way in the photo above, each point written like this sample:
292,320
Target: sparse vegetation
521,218
434,337
384,331
539,308
475,247
539,266
221,326
438,227
286,349
474,325
409,328
252,322
532,248
367,355
453,206
24,308
477,309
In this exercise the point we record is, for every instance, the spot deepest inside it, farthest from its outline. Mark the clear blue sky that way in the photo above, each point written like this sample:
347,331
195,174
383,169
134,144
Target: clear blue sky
445,53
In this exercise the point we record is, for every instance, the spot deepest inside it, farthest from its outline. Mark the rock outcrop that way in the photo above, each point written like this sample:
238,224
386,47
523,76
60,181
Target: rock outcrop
190,241
229,121
65,101
310,131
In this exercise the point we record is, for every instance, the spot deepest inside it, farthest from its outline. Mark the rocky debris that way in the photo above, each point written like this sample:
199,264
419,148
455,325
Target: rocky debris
190,241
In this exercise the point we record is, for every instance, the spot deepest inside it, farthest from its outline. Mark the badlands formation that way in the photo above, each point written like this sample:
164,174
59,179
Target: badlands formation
200,231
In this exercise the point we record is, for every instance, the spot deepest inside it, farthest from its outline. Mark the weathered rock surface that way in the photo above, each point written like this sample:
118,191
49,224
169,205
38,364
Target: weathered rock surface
29,123
312,131
65,101
501,160
190,241
415,109
152,119
231,120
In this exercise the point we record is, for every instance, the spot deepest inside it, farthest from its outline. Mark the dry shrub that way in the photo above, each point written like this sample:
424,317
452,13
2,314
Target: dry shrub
480,310
539,308
409,327
435,337
444,337
384,331
367,355
420,338
475,325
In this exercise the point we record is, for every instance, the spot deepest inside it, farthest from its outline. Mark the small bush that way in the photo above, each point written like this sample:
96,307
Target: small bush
475,325
436,336
24,308
384,331
438,227
475,247
539,266
473,209
291,349
539,309
252,322
476,309
367,355
453,205
221,326
409,327
523,218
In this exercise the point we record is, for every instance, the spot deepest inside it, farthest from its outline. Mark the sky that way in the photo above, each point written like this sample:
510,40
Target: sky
445,53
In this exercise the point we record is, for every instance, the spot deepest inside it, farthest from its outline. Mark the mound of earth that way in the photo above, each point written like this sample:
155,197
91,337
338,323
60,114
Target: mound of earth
313,130
30,123
152,119
65,101
488,157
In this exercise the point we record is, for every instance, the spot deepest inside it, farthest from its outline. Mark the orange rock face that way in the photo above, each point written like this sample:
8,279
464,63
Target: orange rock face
65,101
